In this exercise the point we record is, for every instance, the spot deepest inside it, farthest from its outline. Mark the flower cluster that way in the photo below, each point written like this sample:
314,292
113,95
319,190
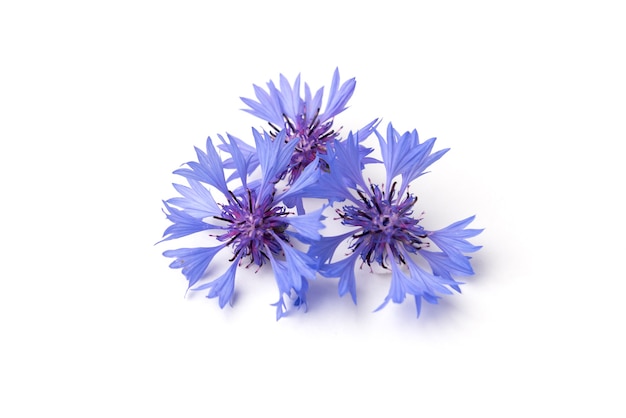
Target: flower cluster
262,218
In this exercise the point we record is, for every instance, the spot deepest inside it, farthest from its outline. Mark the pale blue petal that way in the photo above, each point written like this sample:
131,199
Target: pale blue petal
347,164
330,185
324,249
313,104
453,239
268,106
363,133
308,225
309,176
290,97
300,301
241,162
249,155
274,156
404,155
223,287
338,97
443,265
419,283
428,286
397,288
421,160
281,309
193,261
208,169
183,223
281,275
284,276
344,270
197,201
423,282
300,265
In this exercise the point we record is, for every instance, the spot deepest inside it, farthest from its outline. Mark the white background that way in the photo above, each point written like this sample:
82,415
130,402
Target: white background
100,103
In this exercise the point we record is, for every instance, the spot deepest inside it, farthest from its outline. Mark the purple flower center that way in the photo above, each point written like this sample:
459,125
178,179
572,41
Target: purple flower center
384,222
313,137
253,227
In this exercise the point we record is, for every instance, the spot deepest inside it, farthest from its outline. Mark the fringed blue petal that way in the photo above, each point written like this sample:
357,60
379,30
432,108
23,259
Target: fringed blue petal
427,286
284,274
423,282
281,308
276,103
300,301
338,97
300,265
241,162
183,223
308,225
283,281
404,155
453,239
313,104
298,189
330,185
421,160
344,270
223,287
193,261
397,288
363,133
443,265
274,156
268,106
290,97
209,168
249,155
418,282
197,201
324,249
347,164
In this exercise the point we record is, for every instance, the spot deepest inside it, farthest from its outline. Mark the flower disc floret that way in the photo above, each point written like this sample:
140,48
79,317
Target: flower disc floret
252,226
313,136
384,222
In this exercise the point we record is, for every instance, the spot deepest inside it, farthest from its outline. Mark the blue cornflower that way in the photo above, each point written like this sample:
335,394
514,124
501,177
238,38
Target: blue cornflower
253,220
303,120
386,232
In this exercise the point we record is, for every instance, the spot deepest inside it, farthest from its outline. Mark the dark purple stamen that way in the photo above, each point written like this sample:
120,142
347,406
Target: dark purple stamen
384,223
313,136
253,226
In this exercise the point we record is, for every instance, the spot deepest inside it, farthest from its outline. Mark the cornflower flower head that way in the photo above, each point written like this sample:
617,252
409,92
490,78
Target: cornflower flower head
302,119
252,220
385,230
